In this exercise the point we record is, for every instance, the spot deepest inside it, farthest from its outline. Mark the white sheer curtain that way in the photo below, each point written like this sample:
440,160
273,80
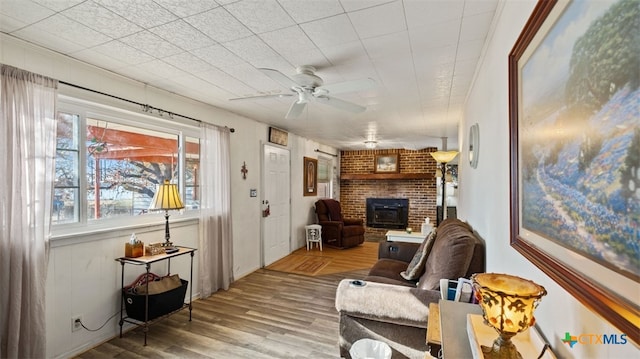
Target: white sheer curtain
216,237
27,167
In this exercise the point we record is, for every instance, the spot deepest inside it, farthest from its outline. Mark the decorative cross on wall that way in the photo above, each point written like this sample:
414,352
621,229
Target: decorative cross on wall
244,170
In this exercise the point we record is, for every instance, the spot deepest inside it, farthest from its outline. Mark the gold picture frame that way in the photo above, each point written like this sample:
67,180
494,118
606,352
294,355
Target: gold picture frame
388,163
310,175
278,136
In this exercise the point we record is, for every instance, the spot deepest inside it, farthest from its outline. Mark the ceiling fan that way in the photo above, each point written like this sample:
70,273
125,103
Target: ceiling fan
307,86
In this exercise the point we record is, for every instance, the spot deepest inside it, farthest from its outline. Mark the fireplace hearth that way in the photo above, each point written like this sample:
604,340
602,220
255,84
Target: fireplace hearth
391,213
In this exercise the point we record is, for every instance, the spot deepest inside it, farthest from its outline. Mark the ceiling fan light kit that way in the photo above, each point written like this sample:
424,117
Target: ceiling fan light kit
307,86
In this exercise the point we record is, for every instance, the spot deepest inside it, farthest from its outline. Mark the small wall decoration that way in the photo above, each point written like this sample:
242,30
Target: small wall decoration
310,175
244,170
278,136
386,163
474,145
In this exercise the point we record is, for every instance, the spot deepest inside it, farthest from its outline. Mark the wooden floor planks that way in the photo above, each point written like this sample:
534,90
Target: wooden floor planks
268,314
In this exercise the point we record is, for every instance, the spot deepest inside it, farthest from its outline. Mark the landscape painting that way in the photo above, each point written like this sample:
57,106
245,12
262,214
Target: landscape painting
579,134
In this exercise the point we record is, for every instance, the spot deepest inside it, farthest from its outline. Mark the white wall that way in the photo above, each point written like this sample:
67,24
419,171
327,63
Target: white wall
484,195
83,277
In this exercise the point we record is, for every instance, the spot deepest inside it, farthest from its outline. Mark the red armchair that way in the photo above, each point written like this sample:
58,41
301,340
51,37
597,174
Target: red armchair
338,231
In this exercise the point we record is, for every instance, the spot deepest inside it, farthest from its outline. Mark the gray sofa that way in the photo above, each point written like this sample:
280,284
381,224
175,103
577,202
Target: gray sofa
395,310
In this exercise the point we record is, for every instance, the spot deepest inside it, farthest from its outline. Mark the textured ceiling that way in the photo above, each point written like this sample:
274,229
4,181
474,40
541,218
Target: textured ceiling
422,55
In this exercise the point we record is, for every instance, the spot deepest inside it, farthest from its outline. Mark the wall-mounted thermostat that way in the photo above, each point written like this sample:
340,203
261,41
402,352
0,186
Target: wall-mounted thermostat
253,192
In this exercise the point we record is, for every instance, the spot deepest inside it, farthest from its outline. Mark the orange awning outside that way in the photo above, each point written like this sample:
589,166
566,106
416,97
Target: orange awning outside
136,147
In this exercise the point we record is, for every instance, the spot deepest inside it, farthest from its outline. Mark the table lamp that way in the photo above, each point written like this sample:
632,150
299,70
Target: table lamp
507,305
166,198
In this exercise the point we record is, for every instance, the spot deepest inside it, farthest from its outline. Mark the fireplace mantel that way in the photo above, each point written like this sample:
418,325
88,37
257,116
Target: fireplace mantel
385,176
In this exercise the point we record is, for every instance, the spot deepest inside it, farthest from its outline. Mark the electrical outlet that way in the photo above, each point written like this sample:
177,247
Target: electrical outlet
76,323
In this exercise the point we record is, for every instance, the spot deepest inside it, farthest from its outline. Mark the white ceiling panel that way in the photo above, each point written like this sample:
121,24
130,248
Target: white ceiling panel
260,15
183,35
101,19
188,62
184,8
475,27
470,50
252,49
226,81
288,40
346,52
125,53
305,11
254,78
217,55
435,35
355,5
57,43
379,20
56,5
422,55
79,34
24,11
474,7
151,44
219,25
331,31
390,45
420,13
145,13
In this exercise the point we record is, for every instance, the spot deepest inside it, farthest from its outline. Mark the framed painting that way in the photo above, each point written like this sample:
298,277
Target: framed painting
310,175
278,136
574,144
386,163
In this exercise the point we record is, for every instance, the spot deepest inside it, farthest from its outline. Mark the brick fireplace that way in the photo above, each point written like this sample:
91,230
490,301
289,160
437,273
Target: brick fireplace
415,182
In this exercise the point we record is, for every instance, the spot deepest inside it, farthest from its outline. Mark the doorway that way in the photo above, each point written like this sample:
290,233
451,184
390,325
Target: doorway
276,204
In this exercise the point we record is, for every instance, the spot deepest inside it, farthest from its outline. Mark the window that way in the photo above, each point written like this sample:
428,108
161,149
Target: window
109,163
324,178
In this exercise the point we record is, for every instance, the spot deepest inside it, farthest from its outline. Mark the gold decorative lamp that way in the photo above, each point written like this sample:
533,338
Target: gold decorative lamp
166,198
507,304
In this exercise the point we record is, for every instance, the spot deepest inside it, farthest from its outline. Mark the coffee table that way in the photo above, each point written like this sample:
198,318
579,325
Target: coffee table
403,236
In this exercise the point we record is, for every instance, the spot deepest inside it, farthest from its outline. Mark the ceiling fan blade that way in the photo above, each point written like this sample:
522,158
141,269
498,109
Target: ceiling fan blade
280,95
279,77
346,86
340,104
295,110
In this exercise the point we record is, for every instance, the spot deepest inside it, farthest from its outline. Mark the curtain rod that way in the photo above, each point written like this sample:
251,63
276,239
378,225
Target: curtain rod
326,153
145,107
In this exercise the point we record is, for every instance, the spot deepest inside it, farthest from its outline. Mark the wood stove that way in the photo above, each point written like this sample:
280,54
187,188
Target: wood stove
392,213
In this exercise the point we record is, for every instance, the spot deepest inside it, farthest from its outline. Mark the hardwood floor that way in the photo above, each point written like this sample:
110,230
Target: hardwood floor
267,314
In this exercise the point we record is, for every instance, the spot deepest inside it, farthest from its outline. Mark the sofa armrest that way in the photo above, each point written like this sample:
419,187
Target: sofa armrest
386,302
402,251
331,230
353,221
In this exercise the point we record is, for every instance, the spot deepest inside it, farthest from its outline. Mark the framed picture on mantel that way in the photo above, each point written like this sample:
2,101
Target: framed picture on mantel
386,164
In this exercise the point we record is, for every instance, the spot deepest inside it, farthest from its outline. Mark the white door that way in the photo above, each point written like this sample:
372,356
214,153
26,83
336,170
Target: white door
277,198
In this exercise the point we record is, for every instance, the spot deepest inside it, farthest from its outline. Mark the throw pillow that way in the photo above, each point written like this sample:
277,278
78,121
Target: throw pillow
416,266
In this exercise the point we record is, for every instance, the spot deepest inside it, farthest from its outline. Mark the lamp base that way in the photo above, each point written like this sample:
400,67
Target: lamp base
502,348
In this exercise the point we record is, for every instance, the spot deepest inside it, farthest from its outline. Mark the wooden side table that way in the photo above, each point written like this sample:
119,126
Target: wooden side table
146,261
434,338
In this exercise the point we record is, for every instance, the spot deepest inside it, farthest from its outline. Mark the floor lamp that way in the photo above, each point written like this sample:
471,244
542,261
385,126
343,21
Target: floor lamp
443,157
166,198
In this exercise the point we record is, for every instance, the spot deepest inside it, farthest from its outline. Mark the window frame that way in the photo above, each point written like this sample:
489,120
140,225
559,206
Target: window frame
89,109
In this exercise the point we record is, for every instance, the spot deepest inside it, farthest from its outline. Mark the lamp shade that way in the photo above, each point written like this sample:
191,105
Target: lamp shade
444,156
507,301
166,197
